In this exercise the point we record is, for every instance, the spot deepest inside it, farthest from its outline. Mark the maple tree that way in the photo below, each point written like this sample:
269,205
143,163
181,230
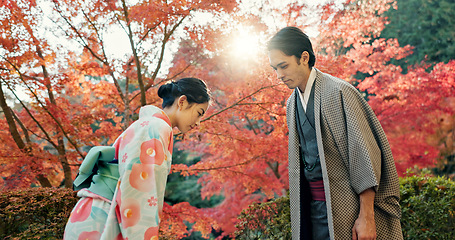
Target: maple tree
26,60
83,96
409,105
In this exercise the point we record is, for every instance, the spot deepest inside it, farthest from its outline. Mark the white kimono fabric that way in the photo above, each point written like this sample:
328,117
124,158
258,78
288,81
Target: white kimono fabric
355,155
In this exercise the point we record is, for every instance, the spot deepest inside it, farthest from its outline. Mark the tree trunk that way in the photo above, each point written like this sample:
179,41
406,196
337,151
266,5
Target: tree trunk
64,161
61,144
17,137
135,56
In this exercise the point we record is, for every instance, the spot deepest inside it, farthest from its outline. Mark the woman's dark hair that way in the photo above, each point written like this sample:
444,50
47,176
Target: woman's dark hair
292,42
194,89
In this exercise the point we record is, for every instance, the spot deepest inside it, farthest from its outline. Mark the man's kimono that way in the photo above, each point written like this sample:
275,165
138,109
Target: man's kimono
354,154
126,204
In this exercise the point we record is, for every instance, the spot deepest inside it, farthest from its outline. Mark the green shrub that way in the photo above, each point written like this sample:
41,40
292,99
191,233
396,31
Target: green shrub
428,212
35,213
427,205
269,220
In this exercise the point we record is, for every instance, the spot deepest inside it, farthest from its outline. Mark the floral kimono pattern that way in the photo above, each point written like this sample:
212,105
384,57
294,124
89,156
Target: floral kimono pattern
144,153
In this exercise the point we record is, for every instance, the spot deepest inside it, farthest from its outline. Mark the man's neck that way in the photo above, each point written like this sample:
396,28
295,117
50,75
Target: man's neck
304,83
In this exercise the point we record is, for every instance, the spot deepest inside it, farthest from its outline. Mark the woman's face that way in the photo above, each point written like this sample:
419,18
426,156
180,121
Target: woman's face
189,115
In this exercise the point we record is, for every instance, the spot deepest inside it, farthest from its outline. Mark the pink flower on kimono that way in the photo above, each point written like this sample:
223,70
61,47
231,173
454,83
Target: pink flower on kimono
152,201
95,235
125,156
82,210
130,212
127,136
151,233
142,176
152,152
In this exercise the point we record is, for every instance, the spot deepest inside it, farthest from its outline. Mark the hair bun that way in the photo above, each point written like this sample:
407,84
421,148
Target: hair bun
165,90
194,89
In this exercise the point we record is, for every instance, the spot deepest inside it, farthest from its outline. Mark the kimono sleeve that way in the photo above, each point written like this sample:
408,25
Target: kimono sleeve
364,154
144,163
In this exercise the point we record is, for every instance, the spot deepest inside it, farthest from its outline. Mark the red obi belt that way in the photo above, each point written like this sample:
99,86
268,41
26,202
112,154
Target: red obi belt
317,190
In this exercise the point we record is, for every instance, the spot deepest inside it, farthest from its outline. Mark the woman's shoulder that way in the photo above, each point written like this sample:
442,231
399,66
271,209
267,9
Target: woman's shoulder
152,121
150,113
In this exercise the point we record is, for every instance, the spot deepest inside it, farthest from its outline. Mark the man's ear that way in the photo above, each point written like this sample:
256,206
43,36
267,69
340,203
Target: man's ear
182,102
305,58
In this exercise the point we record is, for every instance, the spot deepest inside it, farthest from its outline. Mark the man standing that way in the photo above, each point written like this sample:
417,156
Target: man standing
342,177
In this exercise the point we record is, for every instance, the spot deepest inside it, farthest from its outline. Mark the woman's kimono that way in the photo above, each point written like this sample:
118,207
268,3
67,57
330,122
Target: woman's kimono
143,152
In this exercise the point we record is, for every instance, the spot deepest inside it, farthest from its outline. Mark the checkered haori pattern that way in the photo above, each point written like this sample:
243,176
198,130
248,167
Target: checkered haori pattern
355,155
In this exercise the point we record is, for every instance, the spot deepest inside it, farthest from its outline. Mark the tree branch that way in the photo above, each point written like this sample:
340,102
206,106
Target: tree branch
17,139
48,138
46,110
239,101
86,46
228,166
163,46
135,55
24,129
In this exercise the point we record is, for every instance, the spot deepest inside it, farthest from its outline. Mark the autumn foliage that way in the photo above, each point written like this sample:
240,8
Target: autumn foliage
415,109
81,91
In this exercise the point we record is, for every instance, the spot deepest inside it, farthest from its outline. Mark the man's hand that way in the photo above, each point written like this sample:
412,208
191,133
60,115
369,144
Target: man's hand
365,227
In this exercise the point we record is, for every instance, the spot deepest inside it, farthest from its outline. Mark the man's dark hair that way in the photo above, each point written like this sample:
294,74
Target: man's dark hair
292,42
194,89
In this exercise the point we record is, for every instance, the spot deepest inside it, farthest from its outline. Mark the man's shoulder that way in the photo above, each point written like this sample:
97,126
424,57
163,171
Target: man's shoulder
331,83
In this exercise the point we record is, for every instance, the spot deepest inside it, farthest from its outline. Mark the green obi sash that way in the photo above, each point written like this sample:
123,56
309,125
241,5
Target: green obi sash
98,172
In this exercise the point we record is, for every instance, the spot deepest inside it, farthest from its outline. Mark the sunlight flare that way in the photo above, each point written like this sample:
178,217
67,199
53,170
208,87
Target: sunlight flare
245,44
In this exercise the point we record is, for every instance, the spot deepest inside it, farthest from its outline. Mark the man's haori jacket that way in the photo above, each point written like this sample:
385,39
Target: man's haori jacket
354,154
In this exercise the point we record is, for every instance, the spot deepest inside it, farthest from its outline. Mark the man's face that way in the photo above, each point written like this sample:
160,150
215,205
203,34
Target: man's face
292,71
